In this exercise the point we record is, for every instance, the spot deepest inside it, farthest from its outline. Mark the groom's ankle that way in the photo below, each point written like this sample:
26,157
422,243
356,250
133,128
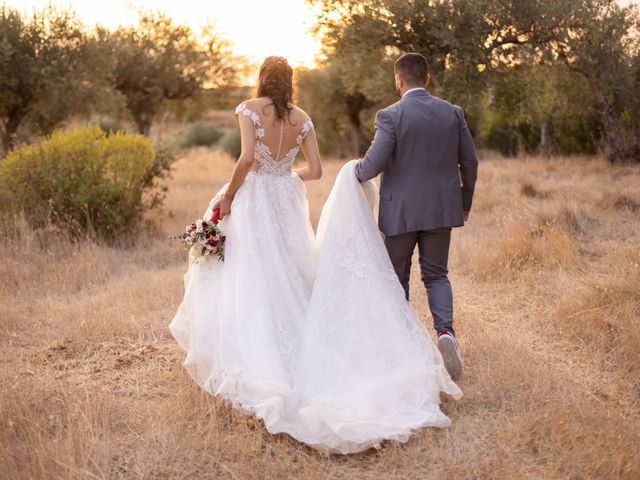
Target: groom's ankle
445,330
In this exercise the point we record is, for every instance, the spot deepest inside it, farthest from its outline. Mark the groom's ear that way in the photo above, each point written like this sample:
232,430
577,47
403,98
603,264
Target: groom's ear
427,80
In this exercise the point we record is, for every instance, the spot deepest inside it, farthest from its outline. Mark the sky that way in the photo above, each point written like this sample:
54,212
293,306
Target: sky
257,28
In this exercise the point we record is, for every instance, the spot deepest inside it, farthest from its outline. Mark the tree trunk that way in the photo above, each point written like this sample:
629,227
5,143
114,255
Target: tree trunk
512,142
7,142
355,104
143,122
9,132
614,145
545,140
358,139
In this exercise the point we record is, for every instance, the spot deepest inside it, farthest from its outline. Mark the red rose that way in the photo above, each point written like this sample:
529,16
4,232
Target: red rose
216,216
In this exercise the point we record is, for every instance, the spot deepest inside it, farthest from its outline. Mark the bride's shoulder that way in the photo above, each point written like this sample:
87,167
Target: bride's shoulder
301,113
250,108
250,103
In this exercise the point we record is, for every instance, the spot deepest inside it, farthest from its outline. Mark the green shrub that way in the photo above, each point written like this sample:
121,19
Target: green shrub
202,133
230,142
85,181
111,125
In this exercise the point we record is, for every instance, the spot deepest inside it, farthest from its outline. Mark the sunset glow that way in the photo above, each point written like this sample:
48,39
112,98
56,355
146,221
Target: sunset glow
256,28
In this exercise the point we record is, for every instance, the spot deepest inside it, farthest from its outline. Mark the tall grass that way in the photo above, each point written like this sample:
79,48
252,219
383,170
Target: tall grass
546,279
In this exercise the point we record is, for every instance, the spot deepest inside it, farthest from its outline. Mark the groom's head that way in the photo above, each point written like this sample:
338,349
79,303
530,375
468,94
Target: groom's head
412,70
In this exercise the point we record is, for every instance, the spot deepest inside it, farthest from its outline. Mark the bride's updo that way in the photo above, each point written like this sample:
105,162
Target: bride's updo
276,82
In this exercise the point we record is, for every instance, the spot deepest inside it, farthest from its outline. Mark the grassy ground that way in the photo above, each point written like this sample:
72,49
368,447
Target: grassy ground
546,279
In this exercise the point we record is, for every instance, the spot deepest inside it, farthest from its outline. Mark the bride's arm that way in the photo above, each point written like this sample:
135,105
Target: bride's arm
243,165
313,170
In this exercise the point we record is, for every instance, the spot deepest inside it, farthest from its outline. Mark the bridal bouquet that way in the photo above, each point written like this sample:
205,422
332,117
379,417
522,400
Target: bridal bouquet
203,238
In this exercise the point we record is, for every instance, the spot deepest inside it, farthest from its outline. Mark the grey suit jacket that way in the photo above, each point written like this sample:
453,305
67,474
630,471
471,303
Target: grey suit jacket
423,148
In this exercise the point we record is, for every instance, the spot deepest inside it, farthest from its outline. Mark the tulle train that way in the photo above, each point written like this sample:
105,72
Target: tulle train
313,335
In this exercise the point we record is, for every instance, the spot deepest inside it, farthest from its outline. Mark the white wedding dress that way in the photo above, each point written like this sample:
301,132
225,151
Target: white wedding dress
313,335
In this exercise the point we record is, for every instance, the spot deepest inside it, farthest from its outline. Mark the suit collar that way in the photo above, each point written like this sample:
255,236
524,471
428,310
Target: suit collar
416,92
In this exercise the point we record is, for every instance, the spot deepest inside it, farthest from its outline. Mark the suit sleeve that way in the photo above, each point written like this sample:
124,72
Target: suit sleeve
381,149
467,161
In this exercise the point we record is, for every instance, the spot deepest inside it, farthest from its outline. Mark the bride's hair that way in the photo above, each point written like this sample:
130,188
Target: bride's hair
276,82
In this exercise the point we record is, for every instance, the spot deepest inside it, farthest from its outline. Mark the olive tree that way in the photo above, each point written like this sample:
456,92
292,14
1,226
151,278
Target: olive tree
158,60
478,47
44,70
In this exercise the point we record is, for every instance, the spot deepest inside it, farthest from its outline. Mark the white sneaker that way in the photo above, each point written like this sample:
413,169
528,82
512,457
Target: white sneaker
450,351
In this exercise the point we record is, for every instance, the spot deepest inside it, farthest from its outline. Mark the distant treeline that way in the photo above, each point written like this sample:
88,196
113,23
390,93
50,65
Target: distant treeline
52,68
544,76
547,76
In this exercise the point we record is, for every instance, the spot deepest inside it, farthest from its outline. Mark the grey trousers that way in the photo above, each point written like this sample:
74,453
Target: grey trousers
433,246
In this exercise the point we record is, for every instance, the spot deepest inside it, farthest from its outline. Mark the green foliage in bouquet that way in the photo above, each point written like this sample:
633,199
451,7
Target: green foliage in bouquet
85,181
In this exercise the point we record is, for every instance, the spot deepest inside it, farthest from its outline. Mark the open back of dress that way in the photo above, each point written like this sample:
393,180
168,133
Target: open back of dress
277,141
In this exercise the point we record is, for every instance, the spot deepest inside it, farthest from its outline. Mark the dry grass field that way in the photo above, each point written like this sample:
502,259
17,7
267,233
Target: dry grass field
546,279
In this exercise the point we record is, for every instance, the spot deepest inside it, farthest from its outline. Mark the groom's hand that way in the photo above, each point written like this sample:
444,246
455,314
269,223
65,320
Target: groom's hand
466,216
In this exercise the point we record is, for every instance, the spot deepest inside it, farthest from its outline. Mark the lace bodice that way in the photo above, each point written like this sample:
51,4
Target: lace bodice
263,154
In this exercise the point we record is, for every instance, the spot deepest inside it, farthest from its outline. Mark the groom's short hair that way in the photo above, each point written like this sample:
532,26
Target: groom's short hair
412,68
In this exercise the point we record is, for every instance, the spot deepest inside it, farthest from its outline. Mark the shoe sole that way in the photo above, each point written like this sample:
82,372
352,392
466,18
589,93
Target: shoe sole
452,361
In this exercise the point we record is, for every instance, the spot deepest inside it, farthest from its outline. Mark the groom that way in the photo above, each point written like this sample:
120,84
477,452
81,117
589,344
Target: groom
427,158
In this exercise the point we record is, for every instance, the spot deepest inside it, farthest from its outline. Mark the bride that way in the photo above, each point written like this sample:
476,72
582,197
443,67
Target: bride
311,334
